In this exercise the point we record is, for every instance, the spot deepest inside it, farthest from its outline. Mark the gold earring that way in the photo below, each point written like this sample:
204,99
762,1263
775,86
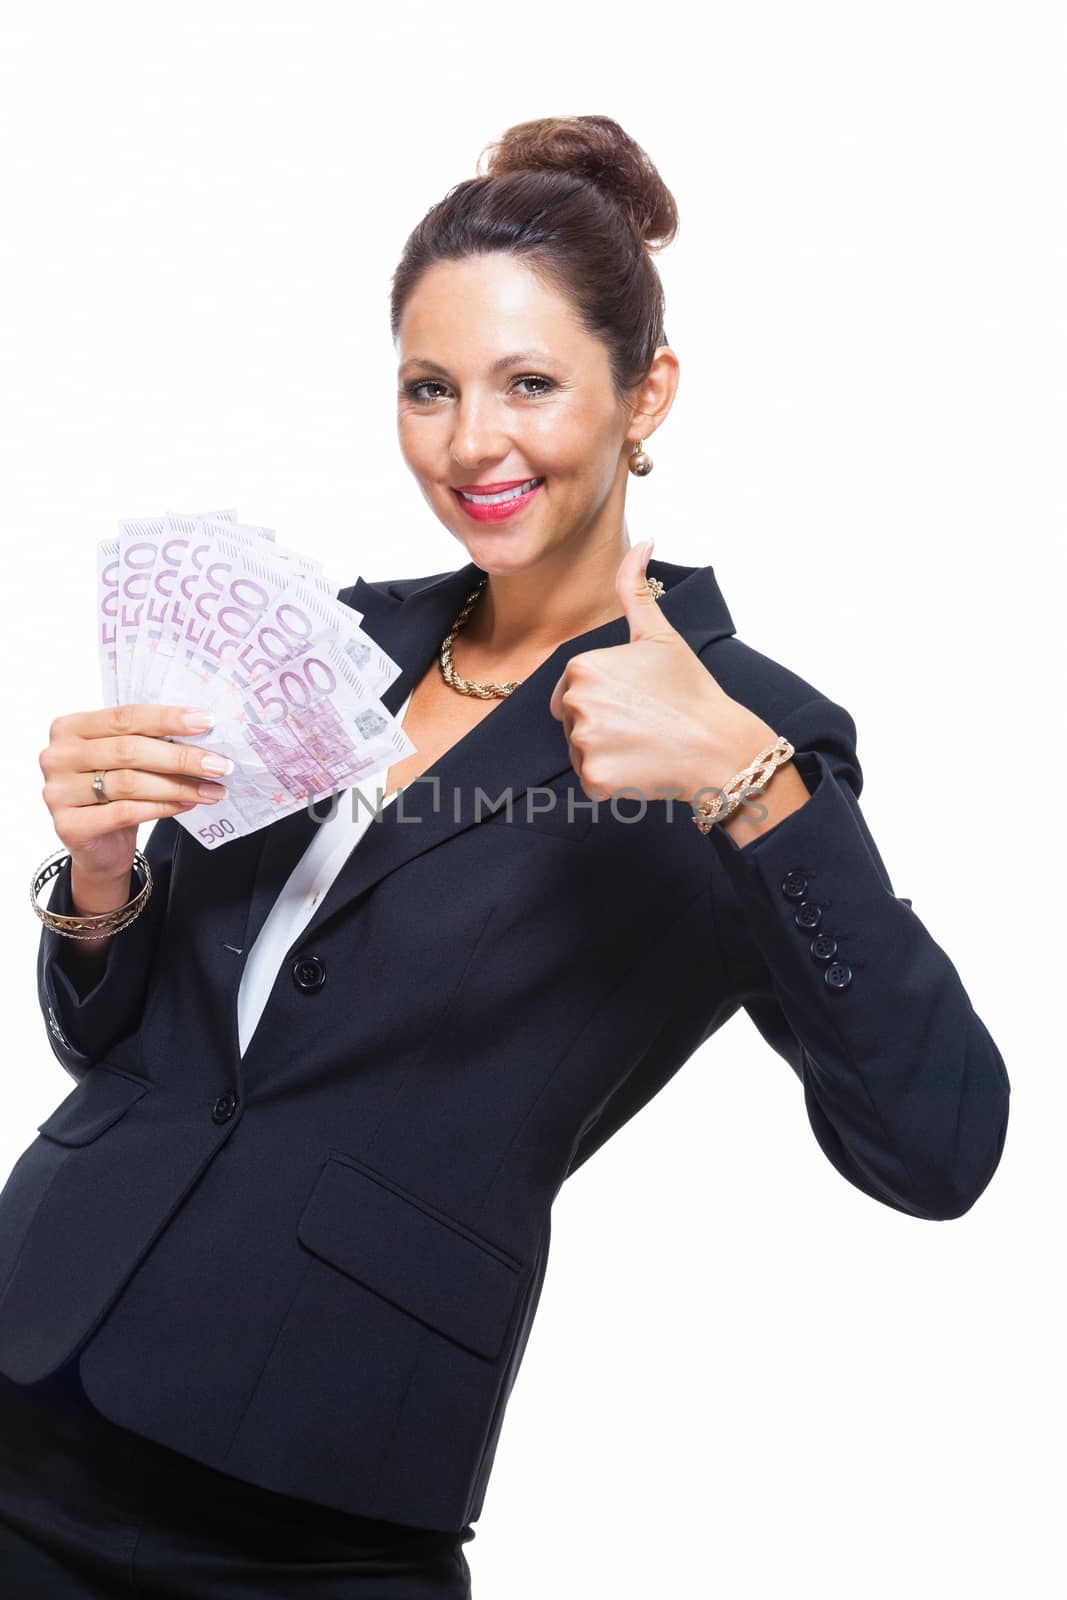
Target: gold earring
639,461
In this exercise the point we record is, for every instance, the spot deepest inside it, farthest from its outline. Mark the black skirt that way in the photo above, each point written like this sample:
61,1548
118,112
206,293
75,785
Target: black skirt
89,1509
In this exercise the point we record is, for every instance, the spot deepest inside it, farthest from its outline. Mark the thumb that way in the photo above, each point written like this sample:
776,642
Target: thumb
642,611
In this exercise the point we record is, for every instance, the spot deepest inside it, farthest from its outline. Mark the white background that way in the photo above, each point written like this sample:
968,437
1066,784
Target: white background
746,1378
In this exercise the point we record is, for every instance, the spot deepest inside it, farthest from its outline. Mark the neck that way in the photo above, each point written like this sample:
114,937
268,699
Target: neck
531,613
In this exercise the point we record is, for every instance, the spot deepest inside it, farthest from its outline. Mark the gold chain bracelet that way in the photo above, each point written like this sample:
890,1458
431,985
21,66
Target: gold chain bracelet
726,801
92,927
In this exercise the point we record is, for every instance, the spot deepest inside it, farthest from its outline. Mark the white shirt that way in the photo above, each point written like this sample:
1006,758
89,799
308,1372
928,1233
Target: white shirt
304,888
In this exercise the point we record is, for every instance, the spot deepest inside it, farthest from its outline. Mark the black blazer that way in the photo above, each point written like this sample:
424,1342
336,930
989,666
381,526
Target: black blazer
316,1268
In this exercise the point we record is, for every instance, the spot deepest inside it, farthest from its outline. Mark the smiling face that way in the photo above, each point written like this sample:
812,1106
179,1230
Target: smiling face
498,384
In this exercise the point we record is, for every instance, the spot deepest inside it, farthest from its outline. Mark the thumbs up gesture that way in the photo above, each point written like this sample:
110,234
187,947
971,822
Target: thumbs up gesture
647,717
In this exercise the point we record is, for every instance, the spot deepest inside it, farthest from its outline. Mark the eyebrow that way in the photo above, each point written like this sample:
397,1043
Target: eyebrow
516,358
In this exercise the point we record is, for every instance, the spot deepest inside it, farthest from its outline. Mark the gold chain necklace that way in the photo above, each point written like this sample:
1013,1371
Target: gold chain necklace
489,691
483,691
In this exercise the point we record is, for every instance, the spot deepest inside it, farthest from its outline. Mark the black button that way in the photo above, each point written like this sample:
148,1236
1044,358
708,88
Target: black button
807,915
795,884
224,1107
838,975
309,973
823,947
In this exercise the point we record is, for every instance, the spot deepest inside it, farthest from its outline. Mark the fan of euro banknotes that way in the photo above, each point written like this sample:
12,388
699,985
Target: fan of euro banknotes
202,610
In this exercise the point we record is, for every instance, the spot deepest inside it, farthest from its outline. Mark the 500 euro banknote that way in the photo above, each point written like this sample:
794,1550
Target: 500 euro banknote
200,609
160,560
253,612
127,605
303,733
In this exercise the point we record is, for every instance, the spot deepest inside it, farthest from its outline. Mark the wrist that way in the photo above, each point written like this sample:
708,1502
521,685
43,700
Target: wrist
725,750
93,893
89,871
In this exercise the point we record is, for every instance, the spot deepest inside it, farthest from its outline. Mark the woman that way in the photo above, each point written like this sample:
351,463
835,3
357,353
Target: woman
268,1273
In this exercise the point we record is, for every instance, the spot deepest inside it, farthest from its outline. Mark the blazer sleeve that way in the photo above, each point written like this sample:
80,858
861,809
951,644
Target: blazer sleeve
905,1090
85,1022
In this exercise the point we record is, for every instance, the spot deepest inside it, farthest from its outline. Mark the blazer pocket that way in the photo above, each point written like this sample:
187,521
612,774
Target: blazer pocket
409,1253
544,808
92,1106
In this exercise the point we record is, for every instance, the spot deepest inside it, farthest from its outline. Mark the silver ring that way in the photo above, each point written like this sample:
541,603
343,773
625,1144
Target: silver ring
98,787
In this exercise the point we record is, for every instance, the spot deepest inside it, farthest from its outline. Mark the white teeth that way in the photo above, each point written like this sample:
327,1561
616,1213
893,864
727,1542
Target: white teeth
506,494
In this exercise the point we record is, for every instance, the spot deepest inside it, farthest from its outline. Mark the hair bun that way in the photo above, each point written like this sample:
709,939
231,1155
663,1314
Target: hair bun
600,151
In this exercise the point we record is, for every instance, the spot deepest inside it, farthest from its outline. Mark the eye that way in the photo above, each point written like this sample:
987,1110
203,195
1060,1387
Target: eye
412,390
534,379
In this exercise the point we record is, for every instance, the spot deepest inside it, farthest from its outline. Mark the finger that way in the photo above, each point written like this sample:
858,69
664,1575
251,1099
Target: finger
568,716
128,783
146,754
159,722
555,704
642,609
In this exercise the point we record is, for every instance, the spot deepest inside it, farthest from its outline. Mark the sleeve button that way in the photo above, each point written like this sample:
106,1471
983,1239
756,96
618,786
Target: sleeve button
838,975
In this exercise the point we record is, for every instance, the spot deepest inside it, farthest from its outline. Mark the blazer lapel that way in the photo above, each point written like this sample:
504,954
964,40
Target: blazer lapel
518,745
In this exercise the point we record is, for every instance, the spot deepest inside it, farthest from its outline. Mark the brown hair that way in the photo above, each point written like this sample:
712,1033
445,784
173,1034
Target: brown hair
582,205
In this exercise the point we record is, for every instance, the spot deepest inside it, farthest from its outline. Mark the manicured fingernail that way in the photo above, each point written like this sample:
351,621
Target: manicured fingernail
216,764
211,791
198,721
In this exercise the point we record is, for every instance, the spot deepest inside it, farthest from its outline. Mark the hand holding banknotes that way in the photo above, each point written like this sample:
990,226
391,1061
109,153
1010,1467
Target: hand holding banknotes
201,610
201,613
146,776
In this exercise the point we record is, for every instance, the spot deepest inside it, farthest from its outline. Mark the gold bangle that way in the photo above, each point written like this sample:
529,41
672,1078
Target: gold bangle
103,922
727,800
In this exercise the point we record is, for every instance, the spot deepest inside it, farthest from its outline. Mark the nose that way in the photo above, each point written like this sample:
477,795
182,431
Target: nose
478,437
